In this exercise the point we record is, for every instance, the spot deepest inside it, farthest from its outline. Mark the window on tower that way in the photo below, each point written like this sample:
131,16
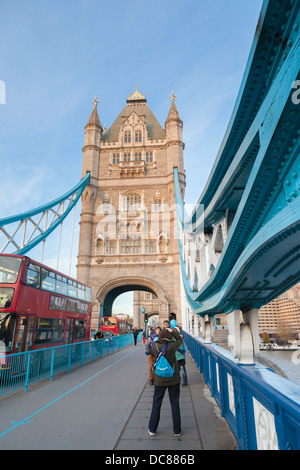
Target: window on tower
157,205
127,136
149,157
131,202
116,159
138,136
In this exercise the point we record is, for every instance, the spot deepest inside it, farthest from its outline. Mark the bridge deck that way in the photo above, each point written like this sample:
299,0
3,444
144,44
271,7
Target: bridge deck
106,406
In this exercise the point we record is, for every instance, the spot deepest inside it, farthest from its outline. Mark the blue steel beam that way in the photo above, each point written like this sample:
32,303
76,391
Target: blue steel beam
58,216
259,183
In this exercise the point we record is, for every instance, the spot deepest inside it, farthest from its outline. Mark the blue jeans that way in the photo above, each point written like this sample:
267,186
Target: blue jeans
174,393
184,376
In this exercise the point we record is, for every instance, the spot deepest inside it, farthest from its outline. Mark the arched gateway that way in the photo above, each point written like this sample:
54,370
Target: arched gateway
128,234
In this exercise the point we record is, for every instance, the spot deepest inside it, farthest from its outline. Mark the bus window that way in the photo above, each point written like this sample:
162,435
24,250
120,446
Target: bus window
48,280
49,330
72,289
9,269
88,292
29,334
64,286
7,329
6,297
81,292
108,321
80,329
33,275
58,284
20,333
70,330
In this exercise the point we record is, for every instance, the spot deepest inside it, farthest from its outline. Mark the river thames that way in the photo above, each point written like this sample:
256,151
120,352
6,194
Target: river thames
287,361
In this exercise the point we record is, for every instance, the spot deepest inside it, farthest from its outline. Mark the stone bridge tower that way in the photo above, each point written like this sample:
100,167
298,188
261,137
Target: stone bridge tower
128,234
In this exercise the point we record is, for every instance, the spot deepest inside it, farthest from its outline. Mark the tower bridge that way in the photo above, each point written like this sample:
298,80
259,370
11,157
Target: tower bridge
238,250
128,215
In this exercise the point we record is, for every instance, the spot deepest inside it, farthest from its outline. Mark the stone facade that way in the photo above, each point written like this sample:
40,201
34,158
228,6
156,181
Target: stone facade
128,235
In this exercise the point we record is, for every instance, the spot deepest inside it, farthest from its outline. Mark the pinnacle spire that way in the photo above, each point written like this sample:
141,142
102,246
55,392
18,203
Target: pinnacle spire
173,113
94,117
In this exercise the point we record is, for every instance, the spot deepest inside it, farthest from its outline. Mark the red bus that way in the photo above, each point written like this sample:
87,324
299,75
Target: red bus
40,307
118,326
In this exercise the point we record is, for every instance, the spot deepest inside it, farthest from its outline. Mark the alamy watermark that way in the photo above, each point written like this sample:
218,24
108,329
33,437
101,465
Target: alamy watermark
135,221
296,357
296,94
2,92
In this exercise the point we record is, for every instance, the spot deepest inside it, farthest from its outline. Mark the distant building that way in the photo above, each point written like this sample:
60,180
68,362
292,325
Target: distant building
282,313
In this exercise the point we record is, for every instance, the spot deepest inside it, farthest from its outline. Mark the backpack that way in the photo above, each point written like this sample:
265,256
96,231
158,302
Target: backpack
161,365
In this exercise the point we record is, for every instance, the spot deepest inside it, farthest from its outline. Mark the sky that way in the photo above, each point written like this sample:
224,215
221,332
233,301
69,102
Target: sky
57,55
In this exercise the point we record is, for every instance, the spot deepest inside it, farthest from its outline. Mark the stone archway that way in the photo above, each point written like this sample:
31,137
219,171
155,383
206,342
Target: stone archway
113,288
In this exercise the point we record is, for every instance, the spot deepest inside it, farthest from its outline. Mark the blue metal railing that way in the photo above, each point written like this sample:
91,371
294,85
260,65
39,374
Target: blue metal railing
19,371
261,408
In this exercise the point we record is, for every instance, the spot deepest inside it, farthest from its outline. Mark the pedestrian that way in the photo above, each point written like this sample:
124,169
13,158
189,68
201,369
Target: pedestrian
180,356
135,333
166,324
149,354
144,337
99,334
161,384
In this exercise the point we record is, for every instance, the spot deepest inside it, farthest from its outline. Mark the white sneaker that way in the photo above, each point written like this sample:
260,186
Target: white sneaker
151,433
179,434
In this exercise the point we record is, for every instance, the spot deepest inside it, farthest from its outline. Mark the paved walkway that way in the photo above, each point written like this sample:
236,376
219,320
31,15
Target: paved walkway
106,406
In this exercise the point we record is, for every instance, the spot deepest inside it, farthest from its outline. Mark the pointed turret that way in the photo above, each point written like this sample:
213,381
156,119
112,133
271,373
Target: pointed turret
173,123
94,120
174,144
91,163
173,113
92,139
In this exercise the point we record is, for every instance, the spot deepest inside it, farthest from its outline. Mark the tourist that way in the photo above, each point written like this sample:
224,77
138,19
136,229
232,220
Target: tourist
135,333
99,334
161,384
180,356
152,337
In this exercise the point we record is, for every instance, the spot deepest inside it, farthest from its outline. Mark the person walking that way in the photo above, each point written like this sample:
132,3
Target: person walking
135,333
161,384
99,334
152,337
180,357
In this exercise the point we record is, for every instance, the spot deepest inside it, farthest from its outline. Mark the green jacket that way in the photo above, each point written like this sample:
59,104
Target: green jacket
180,353
170,356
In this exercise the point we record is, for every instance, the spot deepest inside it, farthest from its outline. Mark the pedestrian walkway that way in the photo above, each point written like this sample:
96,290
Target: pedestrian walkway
203,427
106,405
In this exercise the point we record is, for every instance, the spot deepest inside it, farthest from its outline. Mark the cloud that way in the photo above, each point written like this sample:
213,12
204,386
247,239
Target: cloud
22,189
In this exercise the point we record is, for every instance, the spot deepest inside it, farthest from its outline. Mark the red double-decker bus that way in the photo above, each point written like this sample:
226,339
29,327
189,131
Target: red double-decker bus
40,307
118,325
109,324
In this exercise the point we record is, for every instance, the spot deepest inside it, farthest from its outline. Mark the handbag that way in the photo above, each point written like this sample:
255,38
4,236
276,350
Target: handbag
161,366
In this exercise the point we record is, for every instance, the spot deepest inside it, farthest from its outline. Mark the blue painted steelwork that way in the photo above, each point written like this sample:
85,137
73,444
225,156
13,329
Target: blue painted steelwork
19,371
252,398
255,180
58,210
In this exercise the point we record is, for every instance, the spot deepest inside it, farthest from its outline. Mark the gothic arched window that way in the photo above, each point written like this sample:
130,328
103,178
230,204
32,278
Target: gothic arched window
138,136
116,159
127,136
133,201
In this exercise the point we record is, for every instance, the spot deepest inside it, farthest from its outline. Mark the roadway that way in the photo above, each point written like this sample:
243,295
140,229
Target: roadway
106,405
